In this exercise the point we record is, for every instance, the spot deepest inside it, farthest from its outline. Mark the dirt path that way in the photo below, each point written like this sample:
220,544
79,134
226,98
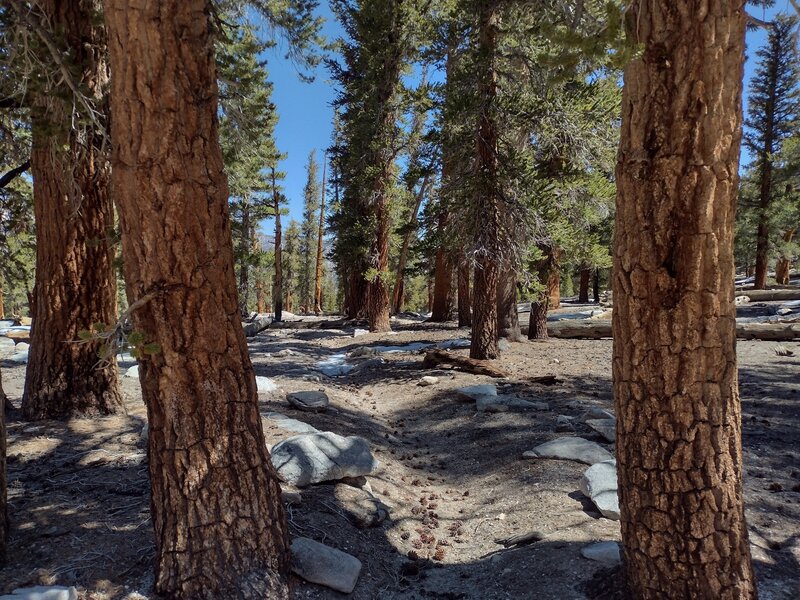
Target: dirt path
453,478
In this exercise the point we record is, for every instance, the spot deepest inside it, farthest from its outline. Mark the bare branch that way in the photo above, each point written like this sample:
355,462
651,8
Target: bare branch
14,173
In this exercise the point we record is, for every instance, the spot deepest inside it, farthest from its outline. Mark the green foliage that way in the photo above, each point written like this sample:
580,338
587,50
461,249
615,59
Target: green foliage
308,234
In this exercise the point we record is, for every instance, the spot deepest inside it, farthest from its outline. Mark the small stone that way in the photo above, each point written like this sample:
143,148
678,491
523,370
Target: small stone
428,380
360,332
285,352
362,351
324,565
571,448
607,553
42,592
607,428
22,347
504,403
476,391
503,345
265,384
597,413
309,401
599,483
289,424
291,498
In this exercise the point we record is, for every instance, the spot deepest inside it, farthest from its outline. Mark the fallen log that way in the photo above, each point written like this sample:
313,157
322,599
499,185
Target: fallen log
597,329
783,295
435,358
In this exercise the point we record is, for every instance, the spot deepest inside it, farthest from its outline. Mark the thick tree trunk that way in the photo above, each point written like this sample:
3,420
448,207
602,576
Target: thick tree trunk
583,289
554,282
678,431
320,239
3,480
355,296
484,328
537,321
75,281
507,313
781,268
596,285
277,287
219,525
464,304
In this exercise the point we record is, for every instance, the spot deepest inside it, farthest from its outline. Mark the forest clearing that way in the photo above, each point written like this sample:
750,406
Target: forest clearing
399,299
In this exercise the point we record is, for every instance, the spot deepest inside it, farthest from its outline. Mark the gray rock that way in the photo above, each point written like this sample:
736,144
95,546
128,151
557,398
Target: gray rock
362,351
6,346
571,448
309,401
474,392
599,483
363,509
265,384
19,358
605,427
606,553
324,565
257,325
597,413
372,363
323,456
504,403
360,332
133,372
43,592
22,347
503,345
285,352
289,424
428,380
144,435
291,497
564,424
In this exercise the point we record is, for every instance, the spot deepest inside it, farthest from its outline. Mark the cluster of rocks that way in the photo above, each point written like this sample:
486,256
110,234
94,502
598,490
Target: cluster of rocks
487,399
52,592
599,481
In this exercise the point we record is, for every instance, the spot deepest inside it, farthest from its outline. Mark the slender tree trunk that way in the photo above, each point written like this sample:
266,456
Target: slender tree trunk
554,279
3,479
75,281
464,305
220,530
583,290
762,235
484,328
596,285
443,276
244,265
507,313
674,367
2,303
277,288
320,239
398,293
377,288
537,321
781,268
259,284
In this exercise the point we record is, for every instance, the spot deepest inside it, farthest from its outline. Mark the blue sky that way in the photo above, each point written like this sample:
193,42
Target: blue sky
305,110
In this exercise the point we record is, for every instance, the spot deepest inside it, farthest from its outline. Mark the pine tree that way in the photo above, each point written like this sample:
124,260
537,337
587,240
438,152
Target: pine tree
773,115
308,235
292,264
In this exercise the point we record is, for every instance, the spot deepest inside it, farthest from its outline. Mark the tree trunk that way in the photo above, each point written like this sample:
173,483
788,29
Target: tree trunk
75,282
3,479
277,287
596,286
674,360
320,239
537,321
583,290
443,277
377,289
554,281
781,268
507,313
2,303
259,283
464,305
220,530
398,293
484,329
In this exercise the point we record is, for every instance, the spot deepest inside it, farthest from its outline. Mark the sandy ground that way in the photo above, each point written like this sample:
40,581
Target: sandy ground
453,478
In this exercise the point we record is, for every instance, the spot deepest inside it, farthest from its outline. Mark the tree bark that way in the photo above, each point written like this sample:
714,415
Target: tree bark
75,281
2,303
244,265
220,530
443,276
277,287
537,320
781,268
554,280
507,313
674,360
484,329
464,304
596,286
583,290
320,239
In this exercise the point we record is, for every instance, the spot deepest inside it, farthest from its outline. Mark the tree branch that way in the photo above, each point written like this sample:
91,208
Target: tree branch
14,173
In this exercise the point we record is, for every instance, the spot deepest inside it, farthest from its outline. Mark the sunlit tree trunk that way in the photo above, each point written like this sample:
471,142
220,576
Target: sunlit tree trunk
507,314
75,282
782,266
674,361
220,530
464,304
277,285
484,326
443,276
320,240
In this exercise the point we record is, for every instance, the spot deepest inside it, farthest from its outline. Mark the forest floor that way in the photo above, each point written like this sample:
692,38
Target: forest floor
79,502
